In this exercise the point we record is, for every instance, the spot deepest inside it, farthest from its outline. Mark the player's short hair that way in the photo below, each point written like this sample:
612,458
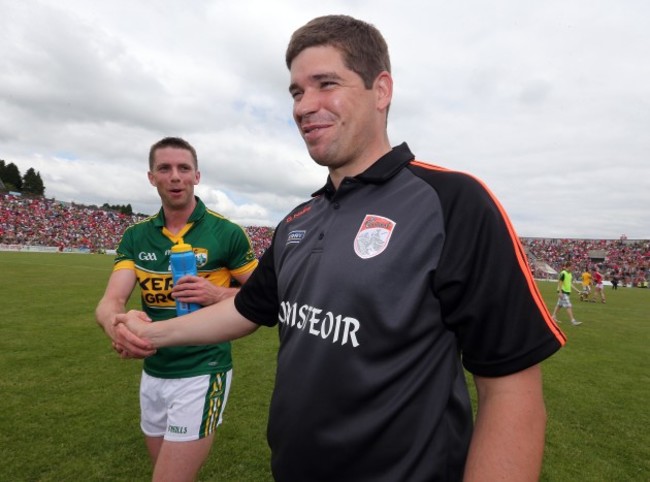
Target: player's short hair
176,142
363,47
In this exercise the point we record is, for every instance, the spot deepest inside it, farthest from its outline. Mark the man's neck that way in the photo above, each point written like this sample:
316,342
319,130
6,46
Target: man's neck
360,165
176,219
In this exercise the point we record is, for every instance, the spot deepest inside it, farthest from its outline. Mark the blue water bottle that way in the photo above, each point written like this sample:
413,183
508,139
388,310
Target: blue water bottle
183,262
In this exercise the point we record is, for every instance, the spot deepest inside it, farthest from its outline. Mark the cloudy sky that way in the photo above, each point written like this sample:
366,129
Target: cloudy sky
547,102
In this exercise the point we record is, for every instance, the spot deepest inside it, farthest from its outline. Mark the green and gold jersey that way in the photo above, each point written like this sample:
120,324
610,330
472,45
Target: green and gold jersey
222,249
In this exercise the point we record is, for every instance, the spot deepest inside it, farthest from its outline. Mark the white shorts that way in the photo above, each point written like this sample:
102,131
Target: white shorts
183,409
564,301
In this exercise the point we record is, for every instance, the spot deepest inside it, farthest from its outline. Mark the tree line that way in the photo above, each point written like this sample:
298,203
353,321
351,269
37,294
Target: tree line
31,184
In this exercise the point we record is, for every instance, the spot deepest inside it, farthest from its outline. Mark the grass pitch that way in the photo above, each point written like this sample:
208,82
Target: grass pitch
69,406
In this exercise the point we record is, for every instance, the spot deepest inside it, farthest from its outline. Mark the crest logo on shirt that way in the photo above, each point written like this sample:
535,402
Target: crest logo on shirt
373,236
201,255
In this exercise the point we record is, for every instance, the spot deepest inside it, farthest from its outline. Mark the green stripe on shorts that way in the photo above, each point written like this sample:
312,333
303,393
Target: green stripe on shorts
215,402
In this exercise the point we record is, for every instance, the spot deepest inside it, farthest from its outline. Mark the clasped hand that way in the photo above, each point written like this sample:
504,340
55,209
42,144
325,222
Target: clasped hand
128,341
195,289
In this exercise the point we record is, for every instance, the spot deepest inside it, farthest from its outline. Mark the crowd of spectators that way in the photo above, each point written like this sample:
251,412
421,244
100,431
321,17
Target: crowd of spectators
625,261
40,221
260,237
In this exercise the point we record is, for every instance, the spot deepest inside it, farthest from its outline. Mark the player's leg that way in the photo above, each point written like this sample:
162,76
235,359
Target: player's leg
181,461
153,446
561,303
195,409
555,310
569,310
153,414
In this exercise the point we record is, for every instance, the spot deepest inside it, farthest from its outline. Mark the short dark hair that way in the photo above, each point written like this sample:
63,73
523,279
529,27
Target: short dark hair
362,45
176,142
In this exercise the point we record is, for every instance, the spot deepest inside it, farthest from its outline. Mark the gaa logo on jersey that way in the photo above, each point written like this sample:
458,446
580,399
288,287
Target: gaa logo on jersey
201,255
373,236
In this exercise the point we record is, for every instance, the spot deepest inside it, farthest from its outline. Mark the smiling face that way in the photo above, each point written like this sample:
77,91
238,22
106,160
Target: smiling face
174,175
342,122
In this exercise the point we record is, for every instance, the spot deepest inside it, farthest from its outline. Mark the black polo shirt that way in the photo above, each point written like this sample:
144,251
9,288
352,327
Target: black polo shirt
383,289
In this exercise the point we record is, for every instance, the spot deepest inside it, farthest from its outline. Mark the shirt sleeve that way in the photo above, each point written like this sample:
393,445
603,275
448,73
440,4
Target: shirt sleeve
258,298
241,254
487,291
125,257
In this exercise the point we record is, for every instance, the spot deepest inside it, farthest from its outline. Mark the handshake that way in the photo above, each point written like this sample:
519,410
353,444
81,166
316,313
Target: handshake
135,336
130,338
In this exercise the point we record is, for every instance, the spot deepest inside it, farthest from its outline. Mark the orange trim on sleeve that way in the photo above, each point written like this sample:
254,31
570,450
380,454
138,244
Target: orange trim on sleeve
519,252
431,167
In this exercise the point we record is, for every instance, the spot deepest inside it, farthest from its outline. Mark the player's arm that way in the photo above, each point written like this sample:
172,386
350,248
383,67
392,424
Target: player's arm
559,283
213,324
508,439
118,291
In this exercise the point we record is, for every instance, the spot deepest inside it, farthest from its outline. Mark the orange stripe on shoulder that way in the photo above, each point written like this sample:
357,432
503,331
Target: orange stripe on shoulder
525,268
431,167
519,252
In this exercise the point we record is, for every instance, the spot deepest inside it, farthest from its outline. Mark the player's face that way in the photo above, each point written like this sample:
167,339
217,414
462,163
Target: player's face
174,175
340,120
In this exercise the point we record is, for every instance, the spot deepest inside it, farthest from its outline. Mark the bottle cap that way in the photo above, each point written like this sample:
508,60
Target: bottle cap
181,248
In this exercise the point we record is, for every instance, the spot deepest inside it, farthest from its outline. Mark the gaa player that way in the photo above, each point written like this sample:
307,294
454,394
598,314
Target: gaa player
378,287
564,286
184,389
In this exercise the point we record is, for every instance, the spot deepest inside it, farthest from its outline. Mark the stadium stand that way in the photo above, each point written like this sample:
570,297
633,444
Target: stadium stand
627,260
42,222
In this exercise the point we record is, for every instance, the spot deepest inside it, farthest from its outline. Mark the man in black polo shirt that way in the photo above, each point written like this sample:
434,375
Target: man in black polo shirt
378,287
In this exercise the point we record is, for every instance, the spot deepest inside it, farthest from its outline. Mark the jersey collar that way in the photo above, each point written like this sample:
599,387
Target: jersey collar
197,214
379,172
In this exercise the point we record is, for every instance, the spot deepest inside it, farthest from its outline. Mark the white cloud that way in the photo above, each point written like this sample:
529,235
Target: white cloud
547,102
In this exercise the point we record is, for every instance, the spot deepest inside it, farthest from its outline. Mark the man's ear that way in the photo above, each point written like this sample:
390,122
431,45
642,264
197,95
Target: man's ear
384,89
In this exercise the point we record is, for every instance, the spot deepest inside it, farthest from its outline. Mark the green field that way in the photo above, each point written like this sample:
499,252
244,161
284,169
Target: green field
69,406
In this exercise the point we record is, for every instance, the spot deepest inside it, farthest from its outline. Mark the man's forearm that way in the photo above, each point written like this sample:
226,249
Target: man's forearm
216,323
225,293
105,314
